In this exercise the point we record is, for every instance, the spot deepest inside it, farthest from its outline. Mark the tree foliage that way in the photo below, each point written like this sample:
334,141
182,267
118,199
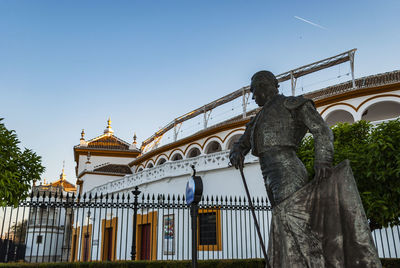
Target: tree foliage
374,154
18,169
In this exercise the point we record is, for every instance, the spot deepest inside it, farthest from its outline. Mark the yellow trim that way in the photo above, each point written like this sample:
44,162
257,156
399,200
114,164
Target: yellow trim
218,245
152,219
233,131
361,104
376,97
193,143
137,168
101,173
339,103
86,229
209,138
188,147
97,152
166,156
113,223
74,244
201,134
150,160
170,154
356,93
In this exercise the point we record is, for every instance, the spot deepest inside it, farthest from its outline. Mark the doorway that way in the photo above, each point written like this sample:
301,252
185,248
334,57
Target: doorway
145,241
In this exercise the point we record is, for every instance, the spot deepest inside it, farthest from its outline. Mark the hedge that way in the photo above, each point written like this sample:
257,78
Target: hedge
247,263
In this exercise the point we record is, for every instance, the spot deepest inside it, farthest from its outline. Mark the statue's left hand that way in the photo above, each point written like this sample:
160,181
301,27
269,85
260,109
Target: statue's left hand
322,170
236,158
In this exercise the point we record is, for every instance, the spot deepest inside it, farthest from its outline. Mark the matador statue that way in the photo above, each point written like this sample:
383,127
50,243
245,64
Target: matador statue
320,223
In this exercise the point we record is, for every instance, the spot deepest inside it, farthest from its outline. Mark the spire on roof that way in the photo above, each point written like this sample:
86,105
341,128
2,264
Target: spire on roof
83,142
83,134
109,129
62,175
133,145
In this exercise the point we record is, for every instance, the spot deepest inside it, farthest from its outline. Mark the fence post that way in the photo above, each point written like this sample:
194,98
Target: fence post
135,193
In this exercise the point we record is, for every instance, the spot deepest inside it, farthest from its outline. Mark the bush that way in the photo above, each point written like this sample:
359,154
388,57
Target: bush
248,263
374,155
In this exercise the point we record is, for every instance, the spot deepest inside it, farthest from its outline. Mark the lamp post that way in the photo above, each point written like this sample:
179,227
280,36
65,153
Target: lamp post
135,193
194,192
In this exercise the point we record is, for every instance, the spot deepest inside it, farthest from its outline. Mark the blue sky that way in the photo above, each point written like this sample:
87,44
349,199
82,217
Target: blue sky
68,65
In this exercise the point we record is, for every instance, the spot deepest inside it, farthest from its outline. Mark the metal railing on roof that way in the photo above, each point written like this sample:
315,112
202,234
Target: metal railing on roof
244,93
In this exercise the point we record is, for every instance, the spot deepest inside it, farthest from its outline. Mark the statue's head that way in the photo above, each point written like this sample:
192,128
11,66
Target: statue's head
264,86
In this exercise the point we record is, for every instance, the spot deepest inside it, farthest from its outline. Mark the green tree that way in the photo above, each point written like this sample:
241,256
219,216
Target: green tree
374,154
18,169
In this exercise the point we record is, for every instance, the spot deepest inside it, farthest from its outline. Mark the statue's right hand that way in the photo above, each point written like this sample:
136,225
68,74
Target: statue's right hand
237,159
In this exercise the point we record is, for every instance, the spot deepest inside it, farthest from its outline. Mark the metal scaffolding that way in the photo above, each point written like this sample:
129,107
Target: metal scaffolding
244,92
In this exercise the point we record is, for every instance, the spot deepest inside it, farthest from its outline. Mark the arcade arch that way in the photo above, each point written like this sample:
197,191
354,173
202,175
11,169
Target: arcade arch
382,110
337,116
161,161
177,156
232,140
213,147
193,152
149,165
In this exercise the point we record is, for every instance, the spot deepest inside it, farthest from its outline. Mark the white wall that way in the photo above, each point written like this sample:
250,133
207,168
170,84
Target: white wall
92,180
98,160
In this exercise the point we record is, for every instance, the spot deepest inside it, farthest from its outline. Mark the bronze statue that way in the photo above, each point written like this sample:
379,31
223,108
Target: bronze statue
315,224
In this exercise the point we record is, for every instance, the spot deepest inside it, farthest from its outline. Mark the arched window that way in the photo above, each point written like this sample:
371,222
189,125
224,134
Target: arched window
232,140
140,169
193,152
161,161
337,116
176,157
150,165
381,111
213,147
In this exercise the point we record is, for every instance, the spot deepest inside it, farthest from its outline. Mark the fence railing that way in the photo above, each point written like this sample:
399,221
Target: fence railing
48,228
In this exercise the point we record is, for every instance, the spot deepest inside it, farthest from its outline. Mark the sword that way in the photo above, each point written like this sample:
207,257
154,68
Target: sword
254,216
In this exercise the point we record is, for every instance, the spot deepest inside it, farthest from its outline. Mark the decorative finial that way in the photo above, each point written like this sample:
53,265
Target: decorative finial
88,158
83,135
88,164
133,145
44,181
109,129
62,175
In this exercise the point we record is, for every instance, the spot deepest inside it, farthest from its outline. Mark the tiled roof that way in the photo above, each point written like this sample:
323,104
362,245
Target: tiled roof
65,184
108,142
364,82
114,168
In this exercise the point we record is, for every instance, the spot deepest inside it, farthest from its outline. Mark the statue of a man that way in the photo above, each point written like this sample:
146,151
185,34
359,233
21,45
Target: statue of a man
304,231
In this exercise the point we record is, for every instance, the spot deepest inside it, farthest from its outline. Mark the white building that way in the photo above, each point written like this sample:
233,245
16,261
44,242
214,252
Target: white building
48,231
107,164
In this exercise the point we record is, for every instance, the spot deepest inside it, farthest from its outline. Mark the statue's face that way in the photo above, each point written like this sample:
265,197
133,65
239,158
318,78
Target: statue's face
262,91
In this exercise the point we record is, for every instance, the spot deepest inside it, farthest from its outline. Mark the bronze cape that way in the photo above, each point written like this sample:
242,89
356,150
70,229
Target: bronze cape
323,224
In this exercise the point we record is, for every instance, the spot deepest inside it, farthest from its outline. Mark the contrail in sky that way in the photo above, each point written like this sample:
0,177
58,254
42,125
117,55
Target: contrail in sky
312,23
